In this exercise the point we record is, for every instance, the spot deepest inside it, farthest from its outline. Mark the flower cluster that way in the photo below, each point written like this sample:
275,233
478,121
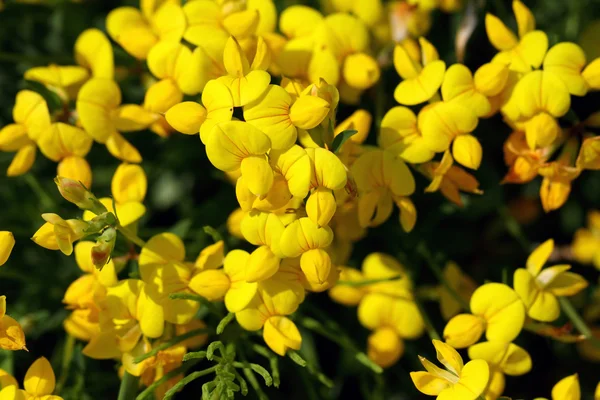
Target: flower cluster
264,93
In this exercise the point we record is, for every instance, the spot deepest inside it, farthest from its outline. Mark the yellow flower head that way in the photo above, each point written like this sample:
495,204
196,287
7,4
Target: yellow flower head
495,309
137,31
457,382
59,234
538,287
521,55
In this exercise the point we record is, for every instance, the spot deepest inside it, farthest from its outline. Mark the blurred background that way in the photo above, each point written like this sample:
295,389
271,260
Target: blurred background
186,193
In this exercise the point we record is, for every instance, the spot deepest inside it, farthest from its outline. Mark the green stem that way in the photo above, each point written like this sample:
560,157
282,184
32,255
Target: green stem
45,199
132,237
367,282
129,385
172,342
437,271
431,331
578,321
514,228
65,362
249,374
171,374
193,376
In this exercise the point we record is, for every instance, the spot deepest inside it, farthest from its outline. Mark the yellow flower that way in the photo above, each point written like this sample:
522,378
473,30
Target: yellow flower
381,179
556,184
11,333
457,381
58,234
459,86
567,389
538,288
502,358
586,242
420,81
94,51
520,55
190,117
443,123
103,117
541,98
450,179
400,134
64,80
7,242
495,309
85,295
279,116
247,82
32,119
154,368
238,145
128,187
264,230
306,239
208,19
137,32
39,382
385,347
275,298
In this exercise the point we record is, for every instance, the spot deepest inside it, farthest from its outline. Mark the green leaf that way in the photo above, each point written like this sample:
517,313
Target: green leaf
340,139
224,322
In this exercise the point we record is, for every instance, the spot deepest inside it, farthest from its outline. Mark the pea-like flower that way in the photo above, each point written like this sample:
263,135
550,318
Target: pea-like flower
538,287
457,382
11,333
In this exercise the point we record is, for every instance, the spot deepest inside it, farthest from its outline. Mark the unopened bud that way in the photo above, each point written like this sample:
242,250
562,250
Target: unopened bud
103,249
76,193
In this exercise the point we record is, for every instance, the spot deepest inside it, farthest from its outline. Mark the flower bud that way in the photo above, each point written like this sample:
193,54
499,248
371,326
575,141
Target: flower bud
104,246
77,194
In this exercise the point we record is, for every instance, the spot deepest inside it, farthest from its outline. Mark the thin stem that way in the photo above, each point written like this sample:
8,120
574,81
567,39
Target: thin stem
367,282
171,374
45,199
578,321
431,331
132,237
191,377
249,374
514,228
65,362
437,271
172,342
128,388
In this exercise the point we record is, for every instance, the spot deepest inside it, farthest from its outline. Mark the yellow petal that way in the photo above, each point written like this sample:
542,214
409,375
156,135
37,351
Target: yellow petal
210,284
76,168
281,334
295,165
591,74
31,111
405,65
308,111
217,99
247,88
271,114
120,148
7,242
129,183
540,91
39,379
539,257
385,347
502,308
261,265
168,22
567,389
93,51
500,36
525,19
490,79
467,151
162,95
298,21
95,101
449,357
567,60
440,123
321,206
302,235
463,330
329,171
128,27
429,383
566,284
360,71
417,90
242,24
